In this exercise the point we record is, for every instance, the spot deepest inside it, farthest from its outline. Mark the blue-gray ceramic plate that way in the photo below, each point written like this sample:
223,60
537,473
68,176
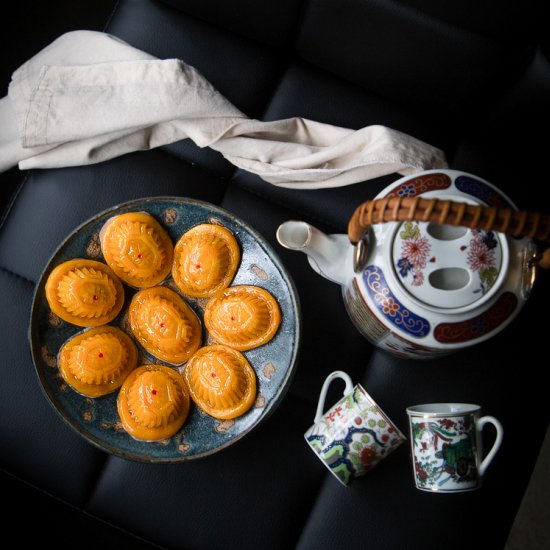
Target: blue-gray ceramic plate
97,419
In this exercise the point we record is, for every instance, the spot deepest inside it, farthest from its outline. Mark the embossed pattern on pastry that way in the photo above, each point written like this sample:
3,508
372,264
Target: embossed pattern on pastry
206,259
84,292
97,361
164,324
137,249
243,317
153,403
221,381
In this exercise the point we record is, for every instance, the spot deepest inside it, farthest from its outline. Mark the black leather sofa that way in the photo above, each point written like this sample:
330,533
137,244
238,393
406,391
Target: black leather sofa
472,78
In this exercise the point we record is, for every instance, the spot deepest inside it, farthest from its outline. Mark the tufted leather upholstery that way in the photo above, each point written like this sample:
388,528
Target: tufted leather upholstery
469,77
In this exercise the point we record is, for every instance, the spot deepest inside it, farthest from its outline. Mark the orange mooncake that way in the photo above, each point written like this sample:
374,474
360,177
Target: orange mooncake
97,361
137,249
243,317
221,381
153,403
206,259
164,324
84,292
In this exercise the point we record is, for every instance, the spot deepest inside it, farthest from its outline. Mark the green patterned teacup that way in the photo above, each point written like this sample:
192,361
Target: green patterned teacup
354,435
446,446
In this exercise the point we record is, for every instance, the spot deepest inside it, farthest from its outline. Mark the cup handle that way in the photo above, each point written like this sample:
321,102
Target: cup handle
496,445
332,376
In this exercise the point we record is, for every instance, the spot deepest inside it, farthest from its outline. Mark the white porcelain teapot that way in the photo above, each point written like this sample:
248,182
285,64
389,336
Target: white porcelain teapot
439,261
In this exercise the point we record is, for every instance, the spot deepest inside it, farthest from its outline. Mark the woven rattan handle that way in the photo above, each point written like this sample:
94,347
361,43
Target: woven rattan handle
489,218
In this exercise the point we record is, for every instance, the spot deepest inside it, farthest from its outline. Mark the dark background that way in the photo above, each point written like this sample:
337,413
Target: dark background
505,139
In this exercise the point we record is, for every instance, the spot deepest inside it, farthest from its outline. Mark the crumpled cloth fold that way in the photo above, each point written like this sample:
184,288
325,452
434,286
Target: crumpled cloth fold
89,97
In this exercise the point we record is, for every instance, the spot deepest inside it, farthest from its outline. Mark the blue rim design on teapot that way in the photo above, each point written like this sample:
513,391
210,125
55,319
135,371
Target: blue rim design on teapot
390,307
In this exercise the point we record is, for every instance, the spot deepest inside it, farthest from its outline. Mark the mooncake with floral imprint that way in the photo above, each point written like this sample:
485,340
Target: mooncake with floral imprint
84,292
137,248
164,324
221,381
153,403
206,259
97,361
243,317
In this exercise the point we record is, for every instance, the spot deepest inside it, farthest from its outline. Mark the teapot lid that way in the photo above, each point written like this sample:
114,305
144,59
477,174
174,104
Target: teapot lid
448,267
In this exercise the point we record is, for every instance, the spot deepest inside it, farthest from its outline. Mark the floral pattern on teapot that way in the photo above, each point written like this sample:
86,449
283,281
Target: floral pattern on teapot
478,326
390,307
483,257
421,289
421,184
415,249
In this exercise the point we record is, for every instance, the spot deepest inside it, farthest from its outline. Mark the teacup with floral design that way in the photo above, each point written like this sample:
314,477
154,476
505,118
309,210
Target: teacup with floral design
353,435
446,446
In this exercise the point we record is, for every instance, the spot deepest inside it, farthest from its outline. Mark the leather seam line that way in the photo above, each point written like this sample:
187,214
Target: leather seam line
410,13
195,165
111,15
287,206
276,85
14,199
220,28
16,275
75,508
97,479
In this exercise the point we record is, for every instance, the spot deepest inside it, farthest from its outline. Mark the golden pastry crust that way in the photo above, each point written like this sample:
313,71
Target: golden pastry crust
221,381
206,259
97,361
164,324
153,403
137,248
84,292
242,317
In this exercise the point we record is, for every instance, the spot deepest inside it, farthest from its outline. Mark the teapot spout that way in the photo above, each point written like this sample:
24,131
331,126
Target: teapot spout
329,255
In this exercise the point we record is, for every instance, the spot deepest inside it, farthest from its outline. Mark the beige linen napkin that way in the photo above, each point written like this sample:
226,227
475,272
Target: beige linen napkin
89,97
